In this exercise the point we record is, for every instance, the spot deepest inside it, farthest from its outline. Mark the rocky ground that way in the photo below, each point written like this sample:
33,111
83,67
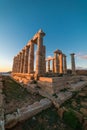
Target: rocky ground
16,96
46,120
71,115
76,110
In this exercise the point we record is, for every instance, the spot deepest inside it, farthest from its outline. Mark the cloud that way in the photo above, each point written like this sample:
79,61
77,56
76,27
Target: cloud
81,56
49,56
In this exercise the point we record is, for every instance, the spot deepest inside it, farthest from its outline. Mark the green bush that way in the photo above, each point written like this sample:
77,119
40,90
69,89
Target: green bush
71,120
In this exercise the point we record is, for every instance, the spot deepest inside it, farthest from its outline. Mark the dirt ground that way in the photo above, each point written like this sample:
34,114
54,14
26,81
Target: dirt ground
16,96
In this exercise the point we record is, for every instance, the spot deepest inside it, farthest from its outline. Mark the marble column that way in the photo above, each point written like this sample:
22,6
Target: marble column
56,62
25,70
13,68
17,63
73,63
20,55
60,63
48,65
39,58
31,58
64,64
22,61
43,60
53,69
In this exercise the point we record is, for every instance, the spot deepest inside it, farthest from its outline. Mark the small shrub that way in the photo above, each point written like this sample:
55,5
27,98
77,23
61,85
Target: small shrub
71,120
63,90
55,95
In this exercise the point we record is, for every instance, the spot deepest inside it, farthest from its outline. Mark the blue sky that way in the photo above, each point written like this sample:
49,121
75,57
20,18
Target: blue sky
63,21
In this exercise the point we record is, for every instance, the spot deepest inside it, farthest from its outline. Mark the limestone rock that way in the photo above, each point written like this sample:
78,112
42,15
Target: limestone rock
82,94
74,104
85,125
84,104
84,111
79,116
61,112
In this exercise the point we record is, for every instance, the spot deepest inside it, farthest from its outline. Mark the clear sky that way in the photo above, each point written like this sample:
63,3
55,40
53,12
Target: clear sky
63,21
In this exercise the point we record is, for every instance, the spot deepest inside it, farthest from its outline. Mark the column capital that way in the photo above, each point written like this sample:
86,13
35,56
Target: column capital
41,33
72,54
23,50
58,51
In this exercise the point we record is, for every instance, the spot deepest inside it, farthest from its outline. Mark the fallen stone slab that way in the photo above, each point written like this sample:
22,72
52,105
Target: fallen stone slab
78,86
2,125
26,112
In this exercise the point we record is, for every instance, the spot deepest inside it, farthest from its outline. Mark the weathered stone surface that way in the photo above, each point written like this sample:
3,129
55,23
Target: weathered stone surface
61,112
77,86
11,120
82,94
85,124
27,112
1,100
32,88
84,111
73,63
63,96
2,125
74,104
79,116
84,104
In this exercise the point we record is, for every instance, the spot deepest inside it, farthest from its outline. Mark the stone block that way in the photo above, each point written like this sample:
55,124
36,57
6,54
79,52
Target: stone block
61,112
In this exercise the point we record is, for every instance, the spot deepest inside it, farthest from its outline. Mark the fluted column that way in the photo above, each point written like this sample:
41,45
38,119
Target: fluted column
13,68
64,64
73,63
48,65
31,58
25,70
56,62
17,63
60,63
19,66
39,58
22,61
43,60
53,69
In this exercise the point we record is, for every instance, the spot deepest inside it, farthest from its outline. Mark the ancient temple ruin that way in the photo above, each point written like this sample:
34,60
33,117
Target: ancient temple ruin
24,61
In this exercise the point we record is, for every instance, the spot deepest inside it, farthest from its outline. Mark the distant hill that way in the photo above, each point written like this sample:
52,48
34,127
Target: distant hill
81,72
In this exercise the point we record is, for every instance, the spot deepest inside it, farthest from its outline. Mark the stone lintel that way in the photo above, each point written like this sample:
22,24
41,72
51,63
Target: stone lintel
50,58
39,33
23,49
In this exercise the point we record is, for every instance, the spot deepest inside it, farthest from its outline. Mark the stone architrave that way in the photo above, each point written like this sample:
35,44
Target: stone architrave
61,63
31,58
64,64
22,61
73,63
25,70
